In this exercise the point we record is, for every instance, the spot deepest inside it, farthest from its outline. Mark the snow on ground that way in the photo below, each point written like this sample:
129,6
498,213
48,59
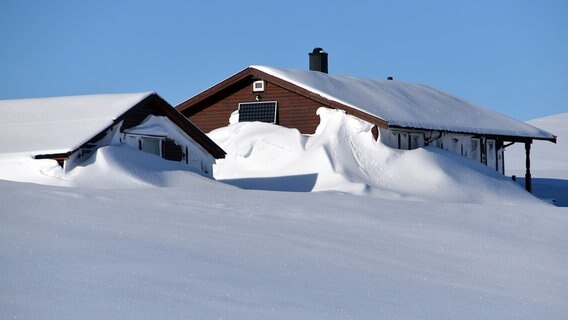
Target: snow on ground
549,161
211,251
130,236
117,166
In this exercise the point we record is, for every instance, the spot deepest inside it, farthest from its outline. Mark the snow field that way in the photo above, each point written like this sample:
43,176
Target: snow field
392,234
207,250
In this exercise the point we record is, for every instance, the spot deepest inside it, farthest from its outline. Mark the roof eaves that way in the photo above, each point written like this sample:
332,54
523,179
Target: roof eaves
330,99
186,125
508,137
216,88
322,98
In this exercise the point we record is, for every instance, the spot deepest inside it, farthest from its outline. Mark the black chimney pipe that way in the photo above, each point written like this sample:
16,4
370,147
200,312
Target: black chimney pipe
318,60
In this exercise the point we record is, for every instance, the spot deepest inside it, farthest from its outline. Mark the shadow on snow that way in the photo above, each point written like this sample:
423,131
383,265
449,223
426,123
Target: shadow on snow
549,190
297,183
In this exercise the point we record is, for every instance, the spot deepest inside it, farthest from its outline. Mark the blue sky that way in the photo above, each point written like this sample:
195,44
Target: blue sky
510,56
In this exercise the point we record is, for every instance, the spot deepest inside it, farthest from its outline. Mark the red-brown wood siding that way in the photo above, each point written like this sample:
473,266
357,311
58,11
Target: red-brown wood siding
214,112
297,106
294,111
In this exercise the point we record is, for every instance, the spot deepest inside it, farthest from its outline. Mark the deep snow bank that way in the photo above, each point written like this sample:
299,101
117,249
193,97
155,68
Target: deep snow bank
123,167
109,167
343,156
340,156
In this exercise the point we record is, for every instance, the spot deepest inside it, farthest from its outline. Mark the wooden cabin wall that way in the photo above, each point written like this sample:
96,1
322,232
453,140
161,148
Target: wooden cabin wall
294,110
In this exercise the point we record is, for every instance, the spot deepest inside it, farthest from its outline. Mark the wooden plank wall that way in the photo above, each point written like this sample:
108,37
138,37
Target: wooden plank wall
294,111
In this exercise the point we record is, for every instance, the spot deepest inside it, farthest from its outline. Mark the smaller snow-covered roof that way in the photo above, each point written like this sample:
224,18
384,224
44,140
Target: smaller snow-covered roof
408,105
59,124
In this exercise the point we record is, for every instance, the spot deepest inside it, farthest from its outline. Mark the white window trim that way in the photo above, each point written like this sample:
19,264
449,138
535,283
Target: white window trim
261,86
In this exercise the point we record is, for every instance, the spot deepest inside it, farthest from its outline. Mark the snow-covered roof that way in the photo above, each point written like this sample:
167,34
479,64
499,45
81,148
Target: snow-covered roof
407,105
59,124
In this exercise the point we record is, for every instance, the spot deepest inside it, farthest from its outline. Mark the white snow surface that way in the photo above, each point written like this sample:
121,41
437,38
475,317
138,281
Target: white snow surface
114,166
59,124
133,236
406,104
343,156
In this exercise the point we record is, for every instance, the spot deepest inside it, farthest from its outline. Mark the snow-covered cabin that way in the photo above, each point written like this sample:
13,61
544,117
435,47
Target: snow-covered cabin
404,115
69,129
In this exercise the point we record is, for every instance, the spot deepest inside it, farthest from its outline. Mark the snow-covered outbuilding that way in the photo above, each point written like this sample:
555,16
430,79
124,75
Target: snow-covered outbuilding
404,115
69,129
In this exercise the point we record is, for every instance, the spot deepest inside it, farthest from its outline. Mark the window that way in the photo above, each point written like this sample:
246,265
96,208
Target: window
257,111
403,140
417,140
258,86
491,154
151,145
475,152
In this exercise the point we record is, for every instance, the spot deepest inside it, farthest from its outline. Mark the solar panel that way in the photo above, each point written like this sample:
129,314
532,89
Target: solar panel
257,111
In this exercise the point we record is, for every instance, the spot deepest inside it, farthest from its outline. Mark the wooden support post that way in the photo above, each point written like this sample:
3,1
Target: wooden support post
483,148
528,178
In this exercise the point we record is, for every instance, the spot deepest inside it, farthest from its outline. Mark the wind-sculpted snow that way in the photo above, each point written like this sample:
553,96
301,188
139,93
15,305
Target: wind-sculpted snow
109,167
343,156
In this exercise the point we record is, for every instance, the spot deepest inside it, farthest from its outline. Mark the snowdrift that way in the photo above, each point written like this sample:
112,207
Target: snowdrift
109,167
343,156
123,167
340,156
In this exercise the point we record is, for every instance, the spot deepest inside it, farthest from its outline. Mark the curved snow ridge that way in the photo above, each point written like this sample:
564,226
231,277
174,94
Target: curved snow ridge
124,167
343,156
114,166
